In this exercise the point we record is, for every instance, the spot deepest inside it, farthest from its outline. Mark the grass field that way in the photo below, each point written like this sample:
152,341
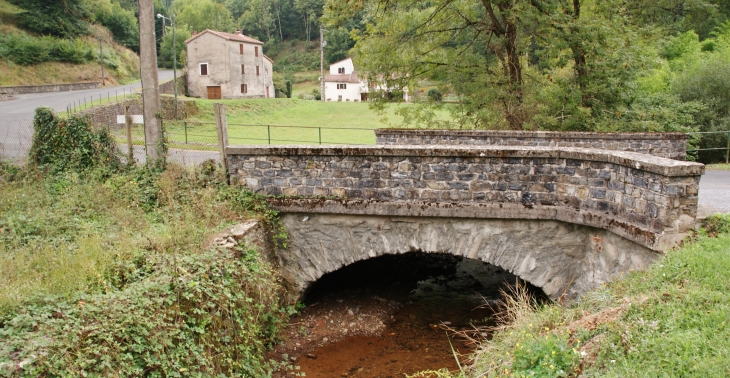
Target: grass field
668,321
280,121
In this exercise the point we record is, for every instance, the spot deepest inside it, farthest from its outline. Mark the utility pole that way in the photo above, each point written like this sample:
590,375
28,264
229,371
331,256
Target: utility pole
101,63
150,85
321,64
164,27
174,56
174,62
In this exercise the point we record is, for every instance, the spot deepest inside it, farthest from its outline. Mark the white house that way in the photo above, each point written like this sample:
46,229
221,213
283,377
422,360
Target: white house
224,65
344,84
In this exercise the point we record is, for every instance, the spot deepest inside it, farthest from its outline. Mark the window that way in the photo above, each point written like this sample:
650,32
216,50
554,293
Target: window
256,50
341,86
257,70
240,48
341,70
243,69
244,88
203,69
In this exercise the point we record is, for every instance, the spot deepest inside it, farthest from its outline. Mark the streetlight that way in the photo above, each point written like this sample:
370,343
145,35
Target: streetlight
101,63
174,57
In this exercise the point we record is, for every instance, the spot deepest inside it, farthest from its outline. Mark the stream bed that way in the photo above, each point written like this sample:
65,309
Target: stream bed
392,315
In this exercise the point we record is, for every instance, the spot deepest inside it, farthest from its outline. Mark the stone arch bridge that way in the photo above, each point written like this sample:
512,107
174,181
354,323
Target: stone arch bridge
563,218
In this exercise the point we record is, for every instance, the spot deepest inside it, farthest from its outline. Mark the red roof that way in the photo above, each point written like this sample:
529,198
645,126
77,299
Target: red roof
227,36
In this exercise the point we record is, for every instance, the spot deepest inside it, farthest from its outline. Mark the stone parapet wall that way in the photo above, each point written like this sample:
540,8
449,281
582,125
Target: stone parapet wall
21,89
107,114
649,200
667,145
168,87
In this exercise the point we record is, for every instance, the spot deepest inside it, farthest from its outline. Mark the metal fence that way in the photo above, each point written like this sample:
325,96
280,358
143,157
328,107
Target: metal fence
197,134
727,143
115,96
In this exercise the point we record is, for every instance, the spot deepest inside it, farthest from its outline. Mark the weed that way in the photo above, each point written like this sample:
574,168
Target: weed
717,224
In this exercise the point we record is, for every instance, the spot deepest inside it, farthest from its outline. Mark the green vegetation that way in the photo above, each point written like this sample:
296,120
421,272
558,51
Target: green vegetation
348,123
59,43
670,320
70,145
107,269
549,64
722,167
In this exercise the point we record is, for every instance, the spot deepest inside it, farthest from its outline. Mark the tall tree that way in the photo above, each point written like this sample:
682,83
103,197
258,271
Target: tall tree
203,14
513,64
310,11
61,18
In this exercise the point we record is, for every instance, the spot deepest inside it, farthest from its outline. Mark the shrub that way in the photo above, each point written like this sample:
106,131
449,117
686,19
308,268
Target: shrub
62,145
26,50
209,314
434,94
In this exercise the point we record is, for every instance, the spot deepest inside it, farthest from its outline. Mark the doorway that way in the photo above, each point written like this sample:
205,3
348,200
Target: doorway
214,93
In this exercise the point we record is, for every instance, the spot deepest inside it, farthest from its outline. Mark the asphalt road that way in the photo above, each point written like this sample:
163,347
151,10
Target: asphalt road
27,103
16,115
714,195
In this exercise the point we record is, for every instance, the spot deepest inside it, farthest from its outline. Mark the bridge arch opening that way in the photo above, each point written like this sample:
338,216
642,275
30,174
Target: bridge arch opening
563,259
417,275
395,314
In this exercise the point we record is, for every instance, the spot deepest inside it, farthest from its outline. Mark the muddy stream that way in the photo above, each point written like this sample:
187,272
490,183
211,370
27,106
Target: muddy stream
387,317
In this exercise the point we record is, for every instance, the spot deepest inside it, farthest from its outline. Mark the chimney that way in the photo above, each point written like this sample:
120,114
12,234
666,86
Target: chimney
239,32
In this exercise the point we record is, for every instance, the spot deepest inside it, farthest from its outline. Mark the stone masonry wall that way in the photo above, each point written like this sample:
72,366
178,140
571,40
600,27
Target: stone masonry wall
107,114
668,145
649,200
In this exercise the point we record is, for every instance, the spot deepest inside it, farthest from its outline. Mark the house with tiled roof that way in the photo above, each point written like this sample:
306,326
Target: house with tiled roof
343,83
223,65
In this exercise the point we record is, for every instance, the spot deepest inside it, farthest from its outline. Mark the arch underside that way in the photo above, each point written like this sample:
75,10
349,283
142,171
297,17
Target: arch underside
563,259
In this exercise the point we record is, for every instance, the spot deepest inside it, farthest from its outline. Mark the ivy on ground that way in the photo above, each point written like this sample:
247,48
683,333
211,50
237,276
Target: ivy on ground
210,314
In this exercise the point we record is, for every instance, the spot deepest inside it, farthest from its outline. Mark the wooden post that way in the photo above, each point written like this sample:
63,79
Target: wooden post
128,122
221,126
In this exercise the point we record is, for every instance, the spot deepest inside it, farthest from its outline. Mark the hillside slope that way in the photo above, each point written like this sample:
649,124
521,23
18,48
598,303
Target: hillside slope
120,64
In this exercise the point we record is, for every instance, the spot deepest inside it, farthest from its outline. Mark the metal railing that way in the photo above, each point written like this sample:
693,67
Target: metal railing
95,100
198,133
726,148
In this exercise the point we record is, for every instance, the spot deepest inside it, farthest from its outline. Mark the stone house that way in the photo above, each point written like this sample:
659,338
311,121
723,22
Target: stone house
224,65
343,83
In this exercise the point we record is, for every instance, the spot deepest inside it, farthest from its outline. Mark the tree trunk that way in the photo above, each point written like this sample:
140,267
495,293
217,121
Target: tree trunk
579,57
504,27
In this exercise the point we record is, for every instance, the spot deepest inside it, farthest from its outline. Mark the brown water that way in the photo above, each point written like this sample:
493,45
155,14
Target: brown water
416,296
